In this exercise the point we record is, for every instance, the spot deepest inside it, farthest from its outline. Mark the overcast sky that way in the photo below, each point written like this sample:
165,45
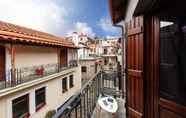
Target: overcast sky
60,17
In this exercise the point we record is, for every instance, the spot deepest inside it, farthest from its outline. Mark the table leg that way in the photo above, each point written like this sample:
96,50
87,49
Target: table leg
113,115
99,110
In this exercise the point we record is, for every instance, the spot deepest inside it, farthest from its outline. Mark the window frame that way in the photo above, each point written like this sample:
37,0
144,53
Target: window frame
84,69
41,105
71,81
106,61
25,99
64,90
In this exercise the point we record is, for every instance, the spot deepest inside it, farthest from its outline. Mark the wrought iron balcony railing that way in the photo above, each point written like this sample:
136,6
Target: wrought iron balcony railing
17,76
82,105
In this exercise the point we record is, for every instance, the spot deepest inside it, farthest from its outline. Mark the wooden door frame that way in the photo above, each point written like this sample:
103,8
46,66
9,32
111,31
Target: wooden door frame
152,75
151,58
151,67
61,56
4,61
135,67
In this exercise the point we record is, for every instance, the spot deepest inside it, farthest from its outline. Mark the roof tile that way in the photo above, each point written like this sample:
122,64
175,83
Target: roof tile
10,31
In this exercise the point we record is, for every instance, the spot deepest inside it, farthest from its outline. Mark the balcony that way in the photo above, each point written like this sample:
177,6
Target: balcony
14,77
84,104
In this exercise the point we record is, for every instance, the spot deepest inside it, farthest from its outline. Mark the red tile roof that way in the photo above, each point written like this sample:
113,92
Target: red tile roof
11,32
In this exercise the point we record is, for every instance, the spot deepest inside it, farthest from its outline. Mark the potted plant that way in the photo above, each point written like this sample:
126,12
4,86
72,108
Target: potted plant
50,113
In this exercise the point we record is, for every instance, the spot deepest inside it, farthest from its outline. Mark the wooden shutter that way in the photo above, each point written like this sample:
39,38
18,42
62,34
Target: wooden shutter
135,68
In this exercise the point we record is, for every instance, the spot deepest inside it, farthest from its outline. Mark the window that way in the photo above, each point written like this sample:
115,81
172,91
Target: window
172,59
83,69
64,85
40,97
20,107
96,68
105,51
71,81
112,50
105,61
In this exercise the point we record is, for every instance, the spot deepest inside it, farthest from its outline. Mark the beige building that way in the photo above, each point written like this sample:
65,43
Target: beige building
111,53
38,72
82,41
89,67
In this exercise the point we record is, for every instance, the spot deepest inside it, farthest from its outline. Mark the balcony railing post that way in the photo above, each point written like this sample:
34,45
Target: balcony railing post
17,76
97,87
81,107
76,112
102,79
20,75
5,78
87,102
95,97
90,98
84,106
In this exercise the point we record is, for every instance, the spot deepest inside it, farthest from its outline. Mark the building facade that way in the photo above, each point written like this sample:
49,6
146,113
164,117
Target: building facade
155,49
83,42
111,53
39,72
90,66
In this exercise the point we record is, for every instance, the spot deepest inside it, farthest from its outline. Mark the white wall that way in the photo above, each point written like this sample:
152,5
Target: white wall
130,9
27,56
75,39
90,65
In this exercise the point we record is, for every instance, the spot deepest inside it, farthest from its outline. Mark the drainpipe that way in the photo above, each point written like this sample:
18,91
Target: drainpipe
123,60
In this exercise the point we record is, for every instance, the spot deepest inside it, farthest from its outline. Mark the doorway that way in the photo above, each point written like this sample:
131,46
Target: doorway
172,67
2,63
63,57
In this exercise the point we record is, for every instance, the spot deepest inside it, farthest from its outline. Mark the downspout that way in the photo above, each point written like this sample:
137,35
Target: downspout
123,59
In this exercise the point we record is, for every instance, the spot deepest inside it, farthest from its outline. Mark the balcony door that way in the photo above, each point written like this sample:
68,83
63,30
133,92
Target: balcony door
135,69
2,63
172,78
63,57
165,67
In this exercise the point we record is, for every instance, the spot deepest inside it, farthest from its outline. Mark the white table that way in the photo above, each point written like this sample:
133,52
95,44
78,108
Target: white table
109,104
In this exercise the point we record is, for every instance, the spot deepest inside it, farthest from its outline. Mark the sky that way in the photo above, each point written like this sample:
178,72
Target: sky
60,17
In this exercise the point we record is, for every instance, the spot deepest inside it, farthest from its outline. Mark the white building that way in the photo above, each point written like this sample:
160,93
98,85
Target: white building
90,66
111,52
38,72
83,42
